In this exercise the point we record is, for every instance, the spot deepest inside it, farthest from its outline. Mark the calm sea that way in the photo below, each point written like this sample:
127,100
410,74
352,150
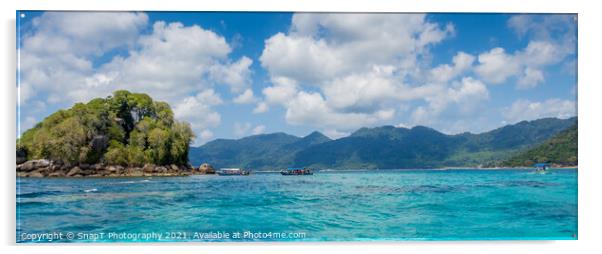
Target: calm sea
326,206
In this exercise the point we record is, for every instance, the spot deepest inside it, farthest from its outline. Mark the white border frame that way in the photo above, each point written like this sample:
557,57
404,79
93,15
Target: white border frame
589,127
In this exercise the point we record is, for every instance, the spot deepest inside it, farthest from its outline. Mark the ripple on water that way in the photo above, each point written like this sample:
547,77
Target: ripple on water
432,189
38,194
31,204
536,184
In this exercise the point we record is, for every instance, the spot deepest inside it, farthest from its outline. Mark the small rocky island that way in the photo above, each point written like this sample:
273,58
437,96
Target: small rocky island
126,134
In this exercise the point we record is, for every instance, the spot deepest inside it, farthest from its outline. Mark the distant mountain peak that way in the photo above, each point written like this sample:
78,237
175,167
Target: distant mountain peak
316,135
271,135
366,131
422,128
311,139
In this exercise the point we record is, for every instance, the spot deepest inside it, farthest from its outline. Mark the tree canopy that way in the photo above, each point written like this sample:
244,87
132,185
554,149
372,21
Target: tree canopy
123,129
561,149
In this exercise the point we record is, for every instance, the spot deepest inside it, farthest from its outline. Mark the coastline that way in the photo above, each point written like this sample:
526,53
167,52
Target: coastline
446,168
52,169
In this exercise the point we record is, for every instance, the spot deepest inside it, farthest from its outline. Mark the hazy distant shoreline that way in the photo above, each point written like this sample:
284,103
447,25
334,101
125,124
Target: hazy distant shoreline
447,168
504,168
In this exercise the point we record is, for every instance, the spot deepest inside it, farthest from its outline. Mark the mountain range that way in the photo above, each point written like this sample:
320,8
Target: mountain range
383,147
560,149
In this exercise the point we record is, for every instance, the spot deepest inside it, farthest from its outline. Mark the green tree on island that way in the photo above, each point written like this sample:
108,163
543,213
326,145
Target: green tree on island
126,128
561,149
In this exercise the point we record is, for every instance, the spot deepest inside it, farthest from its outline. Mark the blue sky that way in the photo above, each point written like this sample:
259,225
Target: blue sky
236,74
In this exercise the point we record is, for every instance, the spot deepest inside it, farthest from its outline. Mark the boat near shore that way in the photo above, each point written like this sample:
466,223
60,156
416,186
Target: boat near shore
541,168
297,171
233,172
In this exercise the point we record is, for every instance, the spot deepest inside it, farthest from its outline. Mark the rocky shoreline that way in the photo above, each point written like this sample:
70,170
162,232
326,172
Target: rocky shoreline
48,168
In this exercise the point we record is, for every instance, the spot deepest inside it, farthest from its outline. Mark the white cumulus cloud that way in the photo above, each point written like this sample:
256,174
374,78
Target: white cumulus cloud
236,75
245,97
551,39
443,73
197,110
56,55
530,110
312,109
462,98
261,107
343,71
259,129
169,61
495,66
243,129
530,78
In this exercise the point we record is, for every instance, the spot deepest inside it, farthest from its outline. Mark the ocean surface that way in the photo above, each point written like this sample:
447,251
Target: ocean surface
326,206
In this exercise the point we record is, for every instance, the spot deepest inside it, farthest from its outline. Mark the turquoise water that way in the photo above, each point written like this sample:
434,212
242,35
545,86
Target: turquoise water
326,206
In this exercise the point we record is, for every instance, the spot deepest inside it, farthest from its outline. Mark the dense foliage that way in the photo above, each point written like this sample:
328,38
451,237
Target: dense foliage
380,147
125,129
561,149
